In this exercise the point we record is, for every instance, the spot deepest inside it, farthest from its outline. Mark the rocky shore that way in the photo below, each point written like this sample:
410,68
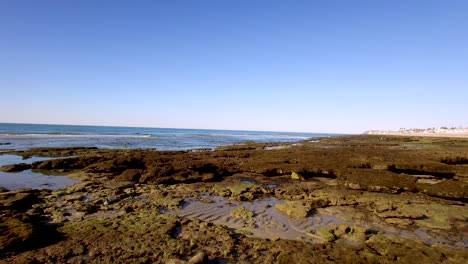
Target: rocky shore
354,199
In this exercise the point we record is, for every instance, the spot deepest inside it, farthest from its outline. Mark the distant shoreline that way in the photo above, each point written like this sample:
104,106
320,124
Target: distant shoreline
421,134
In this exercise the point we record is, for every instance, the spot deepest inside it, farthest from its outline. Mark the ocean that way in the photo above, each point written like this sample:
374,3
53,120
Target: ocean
25,136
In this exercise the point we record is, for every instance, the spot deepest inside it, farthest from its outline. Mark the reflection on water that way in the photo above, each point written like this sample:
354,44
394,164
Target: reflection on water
28,178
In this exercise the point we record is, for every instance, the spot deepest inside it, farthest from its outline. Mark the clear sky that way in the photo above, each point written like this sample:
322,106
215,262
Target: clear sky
311,66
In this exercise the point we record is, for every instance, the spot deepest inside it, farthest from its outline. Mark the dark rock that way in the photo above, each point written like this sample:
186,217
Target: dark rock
116,165
454,190
157,171
129,175
378,181
15,167
17,200
65,164
15,229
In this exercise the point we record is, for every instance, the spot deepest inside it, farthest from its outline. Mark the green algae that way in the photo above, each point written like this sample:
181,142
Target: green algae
242,212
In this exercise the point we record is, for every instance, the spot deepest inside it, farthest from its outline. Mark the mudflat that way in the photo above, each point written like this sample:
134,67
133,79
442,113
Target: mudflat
353,199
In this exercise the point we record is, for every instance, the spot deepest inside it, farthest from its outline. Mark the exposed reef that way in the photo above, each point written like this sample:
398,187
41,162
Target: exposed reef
355,199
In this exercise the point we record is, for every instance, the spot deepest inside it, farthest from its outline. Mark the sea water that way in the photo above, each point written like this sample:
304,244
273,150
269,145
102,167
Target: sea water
25,136
28,178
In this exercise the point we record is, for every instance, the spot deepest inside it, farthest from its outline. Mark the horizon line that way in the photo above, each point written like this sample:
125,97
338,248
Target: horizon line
182,128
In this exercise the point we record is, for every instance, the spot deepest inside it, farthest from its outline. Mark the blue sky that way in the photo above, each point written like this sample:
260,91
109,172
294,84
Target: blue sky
311,66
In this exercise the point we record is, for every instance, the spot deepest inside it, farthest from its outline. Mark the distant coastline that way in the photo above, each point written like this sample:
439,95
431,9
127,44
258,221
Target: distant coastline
461,132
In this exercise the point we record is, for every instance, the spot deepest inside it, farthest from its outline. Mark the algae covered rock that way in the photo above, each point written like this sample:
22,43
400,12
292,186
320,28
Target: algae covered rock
169,202
356,233
412,251
129,175
242,212
18,200
295,209
15,229
326,234
398,221
301,208
296,176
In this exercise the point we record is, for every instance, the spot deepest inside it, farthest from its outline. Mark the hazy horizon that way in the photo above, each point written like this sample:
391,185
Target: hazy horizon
182,128
306,66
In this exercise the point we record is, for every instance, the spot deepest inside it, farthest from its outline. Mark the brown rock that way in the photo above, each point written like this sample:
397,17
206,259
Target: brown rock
295,209
198,258
15,167
398,221
129,175
17,200
119,185
14,230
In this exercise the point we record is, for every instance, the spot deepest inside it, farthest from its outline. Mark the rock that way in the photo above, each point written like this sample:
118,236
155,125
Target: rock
111,199
248,196
240,188
129,175
119,185
169,202
318,203
72,163
295,209
341,230
359,233
200,257
79,187
73,197
382,206
15,167
15,229
398,221
408,211
176,261
326,234
434,224
241,212
206,200
356,233
17,200
409,251
445,189
296,176
86,208
353,186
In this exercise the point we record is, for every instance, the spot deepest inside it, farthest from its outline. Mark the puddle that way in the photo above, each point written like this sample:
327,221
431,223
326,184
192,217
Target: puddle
267,222
247,181
15,159
428,237
268,186
28,178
